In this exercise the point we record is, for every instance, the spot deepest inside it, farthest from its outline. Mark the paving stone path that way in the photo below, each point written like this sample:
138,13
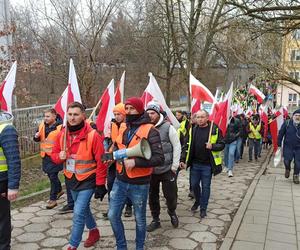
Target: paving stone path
38,228
272,218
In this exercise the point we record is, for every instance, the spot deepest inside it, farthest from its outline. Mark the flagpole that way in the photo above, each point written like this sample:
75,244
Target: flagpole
214,115
95,108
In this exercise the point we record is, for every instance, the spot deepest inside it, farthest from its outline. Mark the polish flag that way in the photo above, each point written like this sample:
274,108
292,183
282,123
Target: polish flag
199,91
285,112
6,89
275,126
105,114
223,114
119,94
70,94
195,105
257,93
154,92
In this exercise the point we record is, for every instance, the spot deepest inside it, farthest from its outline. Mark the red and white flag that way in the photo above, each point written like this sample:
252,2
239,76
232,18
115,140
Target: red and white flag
154,92
119,95
70,94
222,115
105,114
195,105
199,91
257,93
275,126
7,88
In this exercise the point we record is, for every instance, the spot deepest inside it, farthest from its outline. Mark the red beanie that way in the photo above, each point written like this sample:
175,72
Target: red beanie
137,103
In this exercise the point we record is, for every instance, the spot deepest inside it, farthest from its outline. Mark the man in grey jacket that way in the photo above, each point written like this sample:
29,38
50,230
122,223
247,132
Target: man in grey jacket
164,174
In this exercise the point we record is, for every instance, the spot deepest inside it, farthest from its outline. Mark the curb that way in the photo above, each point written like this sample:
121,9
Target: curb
234,227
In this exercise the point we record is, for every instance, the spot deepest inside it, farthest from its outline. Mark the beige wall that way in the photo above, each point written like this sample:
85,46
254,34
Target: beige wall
282,96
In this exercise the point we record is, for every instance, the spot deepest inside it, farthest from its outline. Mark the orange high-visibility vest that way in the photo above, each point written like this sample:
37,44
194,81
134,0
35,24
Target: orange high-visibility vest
85,163
115,130
142,132
46,144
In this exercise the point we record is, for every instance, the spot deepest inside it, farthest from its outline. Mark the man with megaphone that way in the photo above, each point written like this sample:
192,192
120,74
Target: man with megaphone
133,173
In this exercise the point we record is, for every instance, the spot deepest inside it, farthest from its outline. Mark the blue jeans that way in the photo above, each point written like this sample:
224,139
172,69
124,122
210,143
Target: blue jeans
138,194
55,185
229,154
81,215
201,175
237,154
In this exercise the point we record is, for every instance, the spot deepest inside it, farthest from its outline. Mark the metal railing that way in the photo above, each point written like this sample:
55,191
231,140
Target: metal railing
26,121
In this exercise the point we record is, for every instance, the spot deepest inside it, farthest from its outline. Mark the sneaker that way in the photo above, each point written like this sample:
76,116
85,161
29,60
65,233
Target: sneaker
60,194
128,211
194,207
225,170
287,173
236,161
296,179
250,160
93,237
65,209
174,219
230,174
203,213
51,204
155,224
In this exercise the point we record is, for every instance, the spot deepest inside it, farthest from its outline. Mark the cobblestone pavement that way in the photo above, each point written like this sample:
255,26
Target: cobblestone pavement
272,218
38,228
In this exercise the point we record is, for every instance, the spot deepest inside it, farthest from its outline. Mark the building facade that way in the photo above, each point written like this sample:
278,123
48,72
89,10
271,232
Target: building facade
288,95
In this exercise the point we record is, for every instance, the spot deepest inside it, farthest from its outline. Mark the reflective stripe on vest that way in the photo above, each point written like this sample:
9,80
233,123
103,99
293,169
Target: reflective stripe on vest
255,132
3,163
142,132
85,164
216,154
47,144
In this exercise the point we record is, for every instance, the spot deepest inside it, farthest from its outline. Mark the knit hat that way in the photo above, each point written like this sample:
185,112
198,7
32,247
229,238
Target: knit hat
153,106
296,111
137,103
120,108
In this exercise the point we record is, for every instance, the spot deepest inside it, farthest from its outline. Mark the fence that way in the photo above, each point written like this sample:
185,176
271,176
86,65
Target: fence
26,121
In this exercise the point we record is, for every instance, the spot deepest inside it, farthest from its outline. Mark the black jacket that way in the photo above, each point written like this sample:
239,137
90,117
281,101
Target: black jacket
218,146
157,158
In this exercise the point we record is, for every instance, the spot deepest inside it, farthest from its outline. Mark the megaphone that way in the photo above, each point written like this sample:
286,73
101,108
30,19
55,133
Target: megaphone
142,149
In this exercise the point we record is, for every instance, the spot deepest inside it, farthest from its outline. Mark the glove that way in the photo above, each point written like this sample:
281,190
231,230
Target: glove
100,192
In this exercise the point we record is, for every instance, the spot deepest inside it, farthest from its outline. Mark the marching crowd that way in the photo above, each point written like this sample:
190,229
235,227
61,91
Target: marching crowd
87,160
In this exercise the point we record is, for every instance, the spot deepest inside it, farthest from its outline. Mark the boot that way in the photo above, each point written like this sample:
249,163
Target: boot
174,219
194,207
202,213
155,224
51,204
93,237
287,173
296,179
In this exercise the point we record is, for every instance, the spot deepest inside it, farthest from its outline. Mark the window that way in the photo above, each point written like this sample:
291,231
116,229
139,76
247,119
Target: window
292,97
295,75
296,34
295,55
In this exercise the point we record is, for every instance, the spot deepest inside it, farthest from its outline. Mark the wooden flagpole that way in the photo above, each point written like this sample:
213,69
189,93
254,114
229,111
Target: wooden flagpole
94,110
